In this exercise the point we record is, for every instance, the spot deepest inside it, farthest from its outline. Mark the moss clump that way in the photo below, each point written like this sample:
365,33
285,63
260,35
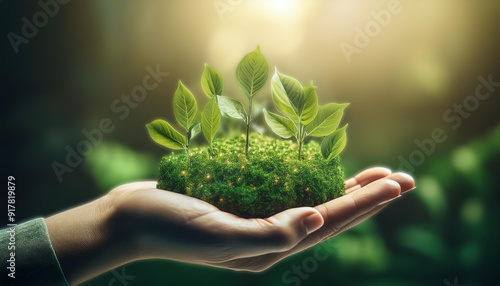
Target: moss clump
272,180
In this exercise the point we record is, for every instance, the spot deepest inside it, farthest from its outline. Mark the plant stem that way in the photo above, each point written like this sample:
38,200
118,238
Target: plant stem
300,148
300,138
187,148
249,119
246,145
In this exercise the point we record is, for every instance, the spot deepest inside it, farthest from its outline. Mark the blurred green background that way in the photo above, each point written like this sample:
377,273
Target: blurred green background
406,77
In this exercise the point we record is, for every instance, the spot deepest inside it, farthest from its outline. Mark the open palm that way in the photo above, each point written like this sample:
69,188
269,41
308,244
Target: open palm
169,225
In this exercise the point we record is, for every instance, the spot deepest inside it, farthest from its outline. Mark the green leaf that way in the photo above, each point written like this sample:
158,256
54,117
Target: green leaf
185,107
251,73
310,104
194,130
327,119
210,119
164,134
232,108
280,125
211,82
288,95
334,143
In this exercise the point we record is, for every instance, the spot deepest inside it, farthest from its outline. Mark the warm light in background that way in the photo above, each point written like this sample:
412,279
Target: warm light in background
409,63
283,7
411,69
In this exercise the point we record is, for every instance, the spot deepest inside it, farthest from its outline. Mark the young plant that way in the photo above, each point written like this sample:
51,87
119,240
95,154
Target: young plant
213,86
251,76
303,116
185,110
211,82
210,120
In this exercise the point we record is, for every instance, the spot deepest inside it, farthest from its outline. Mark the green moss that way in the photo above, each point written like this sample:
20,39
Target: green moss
272,180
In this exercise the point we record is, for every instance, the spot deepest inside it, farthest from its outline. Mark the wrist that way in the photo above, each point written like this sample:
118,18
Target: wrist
87,240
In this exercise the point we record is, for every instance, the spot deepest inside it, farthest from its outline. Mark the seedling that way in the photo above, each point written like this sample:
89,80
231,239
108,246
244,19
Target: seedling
303,117
271,177
251,76
213,86
210,120
185,109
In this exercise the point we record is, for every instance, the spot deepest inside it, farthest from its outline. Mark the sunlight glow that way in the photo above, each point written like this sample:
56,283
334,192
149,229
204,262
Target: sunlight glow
283,7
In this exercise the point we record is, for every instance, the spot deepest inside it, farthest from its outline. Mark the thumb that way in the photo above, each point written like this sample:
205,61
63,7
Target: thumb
278,233
293,225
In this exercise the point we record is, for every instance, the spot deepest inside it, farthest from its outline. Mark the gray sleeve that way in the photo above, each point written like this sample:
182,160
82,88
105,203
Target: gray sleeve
27,256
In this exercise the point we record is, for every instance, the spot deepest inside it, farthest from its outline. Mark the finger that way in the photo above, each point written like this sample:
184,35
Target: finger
407,184
262,262
339,212
362,218
278,233
366,177
406,181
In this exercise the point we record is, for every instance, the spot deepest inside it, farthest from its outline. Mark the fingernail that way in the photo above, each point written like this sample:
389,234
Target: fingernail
313,222
388,201
408,190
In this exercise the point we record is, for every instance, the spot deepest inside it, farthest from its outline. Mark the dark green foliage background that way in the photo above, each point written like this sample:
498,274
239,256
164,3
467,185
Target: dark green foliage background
65,79
272,180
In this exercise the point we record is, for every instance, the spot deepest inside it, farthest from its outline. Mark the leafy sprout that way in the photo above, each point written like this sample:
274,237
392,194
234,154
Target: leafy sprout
211,82
251,76
213,86
210,120
303,117
185,110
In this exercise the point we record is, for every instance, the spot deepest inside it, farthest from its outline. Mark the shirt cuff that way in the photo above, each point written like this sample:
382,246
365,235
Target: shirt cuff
30,258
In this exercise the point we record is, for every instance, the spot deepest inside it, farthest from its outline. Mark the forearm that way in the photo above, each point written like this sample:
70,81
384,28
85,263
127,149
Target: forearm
86,242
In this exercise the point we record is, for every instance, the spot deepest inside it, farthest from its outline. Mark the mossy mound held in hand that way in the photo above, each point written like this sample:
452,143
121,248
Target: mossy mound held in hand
270,181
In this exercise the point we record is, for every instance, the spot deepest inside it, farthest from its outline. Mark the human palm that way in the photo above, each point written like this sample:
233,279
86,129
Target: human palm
163,224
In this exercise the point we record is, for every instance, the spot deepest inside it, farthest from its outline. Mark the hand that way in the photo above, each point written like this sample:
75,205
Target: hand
366,194
137,221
